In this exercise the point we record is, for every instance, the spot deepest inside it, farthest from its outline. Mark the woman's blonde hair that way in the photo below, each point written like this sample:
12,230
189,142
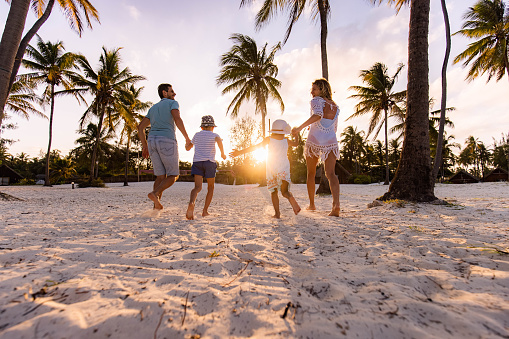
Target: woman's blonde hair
324,86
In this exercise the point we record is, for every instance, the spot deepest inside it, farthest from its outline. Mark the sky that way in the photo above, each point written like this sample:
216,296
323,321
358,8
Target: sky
180,42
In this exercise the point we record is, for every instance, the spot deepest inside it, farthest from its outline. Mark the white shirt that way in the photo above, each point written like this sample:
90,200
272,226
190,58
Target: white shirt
205,146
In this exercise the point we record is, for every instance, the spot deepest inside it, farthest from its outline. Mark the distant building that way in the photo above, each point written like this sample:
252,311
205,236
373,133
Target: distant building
498,174
8,175
463,177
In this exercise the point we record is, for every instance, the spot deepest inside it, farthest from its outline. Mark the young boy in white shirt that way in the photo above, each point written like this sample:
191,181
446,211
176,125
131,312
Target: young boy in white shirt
204,163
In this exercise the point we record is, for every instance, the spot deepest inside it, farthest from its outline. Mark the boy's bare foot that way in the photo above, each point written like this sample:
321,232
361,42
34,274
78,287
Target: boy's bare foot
155,199
311,208
334,212
190,212
204,213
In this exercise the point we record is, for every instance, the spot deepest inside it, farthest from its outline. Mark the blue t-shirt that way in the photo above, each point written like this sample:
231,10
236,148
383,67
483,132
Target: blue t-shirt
161,120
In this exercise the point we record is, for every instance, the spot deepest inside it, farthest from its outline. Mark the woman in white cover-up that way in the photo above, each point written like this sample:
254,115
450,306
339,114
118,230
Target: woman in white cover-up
278,165
322,143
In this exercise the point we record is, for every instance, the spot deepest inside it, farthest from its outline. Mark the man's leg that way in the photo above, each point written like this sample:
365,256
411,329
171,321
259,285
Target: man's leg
208,198
198,181
310,182
330,164
286,193
275,203
165,182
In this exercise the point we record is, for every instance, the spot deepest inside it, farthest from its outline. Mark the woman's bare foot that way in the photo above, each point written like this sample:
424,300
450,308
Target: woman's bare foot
204,213
277,216
311,208
155,199
334,212
190,212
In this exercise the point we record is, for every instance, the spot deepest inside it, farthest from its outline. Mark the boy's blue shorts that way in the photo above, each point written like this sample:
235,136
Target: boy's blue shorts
206,169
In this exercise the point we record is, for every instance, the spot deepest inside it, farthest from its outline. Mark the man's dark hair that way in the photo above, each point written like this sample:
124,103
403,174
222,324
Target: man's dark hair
161,88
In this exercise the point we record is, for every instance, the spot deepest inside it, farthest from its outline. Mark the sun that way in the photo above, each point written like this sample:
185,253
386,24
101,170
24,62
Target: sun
260,154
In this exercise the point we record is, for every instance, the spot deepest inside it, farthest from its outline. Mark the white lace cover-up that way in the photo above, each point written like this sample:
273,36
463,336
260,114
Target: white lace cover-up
278,165
322,134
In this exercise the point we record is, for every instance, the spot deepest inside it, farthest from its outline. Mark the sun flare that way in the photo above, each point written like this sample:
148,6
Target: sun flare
260,154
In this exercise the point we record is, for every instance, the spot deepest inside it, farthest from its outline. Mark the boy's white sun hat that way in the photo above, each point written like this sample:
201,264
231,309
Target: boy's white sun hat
280,127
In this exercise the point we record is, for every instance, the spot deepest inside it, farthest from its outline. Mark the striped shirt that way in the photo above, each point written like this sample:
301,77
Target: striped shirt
204,146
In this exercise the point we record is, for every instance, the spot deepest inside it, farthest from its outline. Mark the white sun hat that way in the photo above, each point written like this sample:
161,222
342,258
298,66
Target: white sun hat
280,127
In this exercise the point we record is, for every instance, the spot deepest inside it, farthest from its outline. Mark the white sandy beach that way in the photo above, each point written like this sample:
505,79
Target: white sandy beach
99,263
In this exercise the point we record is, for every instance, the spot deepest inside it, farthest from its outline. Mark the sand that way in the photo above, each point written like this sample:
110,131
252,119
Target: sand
100,263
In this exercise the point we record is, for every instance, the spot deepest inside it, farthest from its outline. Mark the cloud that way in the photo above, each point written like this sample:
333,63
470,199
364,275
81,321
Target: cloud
133,12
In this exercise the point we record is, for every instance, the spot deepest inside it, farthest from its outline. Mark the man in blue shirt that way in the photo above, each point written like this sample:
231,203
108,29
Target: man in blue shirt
161,144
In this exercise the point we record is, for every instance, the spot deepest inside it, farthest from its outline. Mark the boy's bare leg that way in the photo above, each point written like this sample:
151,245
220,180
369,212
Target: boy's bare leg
286,193
164,182
275,203
330,164
310,181
198,181
208,198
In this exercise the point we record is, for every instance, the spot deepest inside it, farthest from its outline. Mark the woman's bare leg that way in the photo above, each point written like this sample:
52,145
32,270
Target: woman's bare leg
330,165
310,181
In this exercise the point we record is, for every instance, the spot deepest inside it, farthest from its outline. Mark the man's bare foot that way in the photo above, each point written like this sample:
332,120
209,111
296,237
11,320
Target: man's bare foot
204,213
311,208
155,199
190,212
334,212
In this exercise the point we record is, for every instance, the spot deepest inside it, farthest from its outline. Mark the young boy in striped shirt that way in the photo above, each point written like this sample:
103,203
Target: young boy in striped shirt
204,163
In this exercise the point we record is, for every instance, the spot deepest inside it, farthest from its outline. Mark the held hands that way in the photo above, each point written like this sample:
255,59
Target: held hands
189,144
295,131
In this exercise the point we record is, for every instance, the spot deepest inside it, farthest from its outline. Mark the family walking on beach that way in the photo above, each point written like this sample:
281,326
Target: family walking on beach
321,146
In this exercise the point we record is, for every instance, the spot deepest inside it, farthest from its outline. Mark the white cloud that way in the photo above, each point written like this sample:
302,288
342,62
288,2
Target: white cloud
133,12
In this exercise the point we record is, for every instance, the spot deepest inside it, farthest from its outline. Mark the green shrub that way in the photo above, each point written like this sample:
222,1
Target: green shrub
360,179
25,181
94,183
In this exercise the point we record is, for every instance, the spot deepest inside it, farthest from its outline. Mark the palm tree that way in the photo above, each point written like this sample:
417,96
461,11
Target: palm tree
488,22
127,107
12,47
11,38
378,98
22,98
76,13
53,67
295,8
353,147
252,74
63,168
105,85
88,141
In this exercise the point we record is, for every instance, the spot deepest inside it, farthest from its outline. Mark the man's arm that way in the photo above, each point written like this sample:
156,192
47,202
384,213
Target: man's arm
180,125
145,122
220,145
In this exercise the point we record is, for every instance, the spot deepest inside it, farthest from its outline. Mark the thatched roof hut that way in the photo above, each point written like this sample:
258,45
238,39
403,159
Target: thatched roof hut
8,175
498,174
463,177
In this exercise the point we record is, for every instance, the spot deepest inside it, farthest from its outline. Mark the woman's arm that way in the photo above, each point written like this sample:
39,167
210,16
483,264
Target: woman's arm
249,149
312,119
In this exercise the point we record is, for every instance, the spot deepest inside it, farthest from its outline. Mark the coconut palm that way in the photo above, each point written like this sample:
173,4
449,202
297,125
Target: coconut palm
52,66
487,22
128,104
295,8
88,141
378,98
12,46
105,85
251,73
352,147
22,98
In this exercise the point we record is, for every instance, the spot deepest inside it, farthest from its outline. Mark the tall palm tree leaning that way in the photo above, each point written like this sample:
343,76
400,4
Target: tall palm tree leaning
378,98
16,46
105,85
413,179
295,8
127,107
252,74
52,66
22,98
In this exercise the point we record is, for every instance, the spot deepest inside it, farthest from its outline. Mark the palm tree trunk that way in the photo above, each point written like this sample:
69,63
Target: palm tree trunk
126,183
26,40
47,182
323,38
506,60
412,180
96,144
11,38
440,139
387,173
